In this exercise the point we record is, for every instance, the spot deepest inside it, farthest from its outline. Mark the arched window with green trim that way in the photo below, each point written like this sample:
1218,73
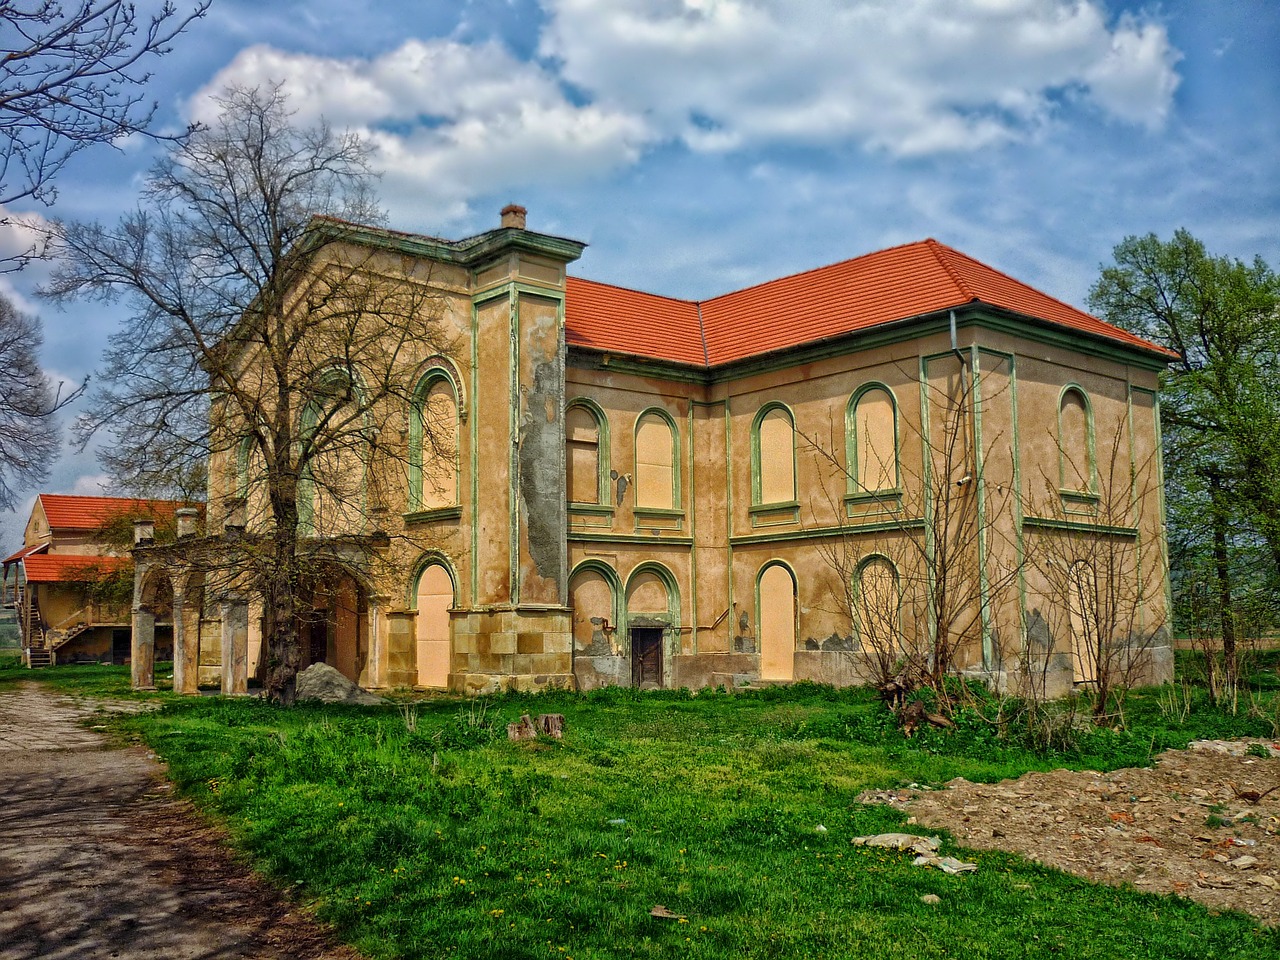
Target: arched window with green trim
334,450
773,455
1076,469
586,455
776,620
657,473
433,442
433,597
871,440
243,461
878,592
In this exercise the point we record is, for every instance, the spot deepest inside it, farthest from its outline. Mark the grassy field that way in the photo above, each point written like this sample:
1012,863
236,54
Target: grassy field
420,831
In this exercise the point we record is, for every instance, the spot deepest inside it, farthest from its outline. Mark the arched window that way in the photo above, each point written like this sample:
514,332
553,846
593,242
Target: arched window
879,606
872,440
433,443
593,595
1075,442
586,454
335,456
433,599
244,457
776,619
773,456
656,473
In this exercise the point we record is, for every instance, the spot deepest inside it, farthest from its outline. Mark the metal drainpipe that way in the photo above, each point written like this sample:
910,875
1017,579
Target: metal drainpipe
965,398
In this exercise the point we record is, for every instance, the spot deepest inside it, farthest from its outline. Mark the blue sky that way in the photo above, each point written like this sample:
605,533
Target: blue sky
702,145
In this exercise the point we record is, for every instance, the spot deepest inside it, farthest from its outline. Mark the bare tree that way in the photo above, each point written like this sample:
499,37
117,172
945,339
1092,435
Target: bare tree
1105,596
29,434
72,75
261,337
922,580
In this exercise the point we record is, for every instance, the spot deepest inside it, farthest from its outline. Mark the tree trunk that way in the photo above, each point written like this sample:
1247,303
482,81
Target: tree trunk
280,595
1222,573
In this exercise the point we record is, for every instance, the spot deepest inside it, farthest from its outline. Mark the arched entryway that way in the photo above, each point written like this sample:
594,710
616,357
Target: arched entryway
334,627
152,626
433,599
776,615
653,623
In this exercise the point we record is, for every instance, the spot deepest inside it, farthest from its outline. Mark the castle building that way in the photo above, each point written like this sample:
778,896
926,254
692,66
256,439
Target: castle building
829,476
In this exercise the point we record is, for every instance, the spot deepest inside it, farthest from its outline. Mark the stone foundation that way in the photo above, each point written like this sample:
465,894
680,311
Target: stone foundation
511,649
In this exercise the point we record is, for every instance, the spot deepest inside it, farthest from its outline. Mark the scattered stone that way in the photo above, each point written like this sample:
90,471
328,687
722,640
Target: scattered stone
819,829
1064,819
931,899
899,841
945,864
660,911
323,683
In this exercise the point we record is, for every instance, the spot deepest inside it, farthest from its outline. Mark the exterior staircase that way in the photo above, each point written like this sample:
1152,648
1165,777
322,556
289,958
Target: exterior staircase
38,657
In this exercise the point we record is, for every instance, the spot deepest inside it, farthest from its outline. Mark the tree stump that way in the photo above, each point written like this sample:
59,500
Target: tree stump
523,729
551,725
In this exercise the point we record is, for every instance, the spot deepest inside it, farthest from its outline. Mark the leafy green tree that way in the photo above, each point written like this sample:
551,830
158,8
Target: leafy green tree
1220,413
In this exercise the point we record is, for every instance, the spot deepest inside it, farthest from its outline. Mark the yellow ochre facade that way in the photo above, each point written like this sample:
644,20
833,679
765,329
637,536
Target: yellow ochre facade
591,486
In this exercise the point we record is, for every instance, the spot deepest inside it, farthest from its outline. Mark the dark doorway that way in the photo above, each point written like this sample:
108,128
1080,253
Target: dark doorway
318,645
121,645
646,657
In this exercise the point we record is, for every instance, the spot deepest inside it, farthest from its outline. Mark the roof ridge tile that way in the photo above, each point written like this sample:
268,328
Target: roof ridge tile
936,249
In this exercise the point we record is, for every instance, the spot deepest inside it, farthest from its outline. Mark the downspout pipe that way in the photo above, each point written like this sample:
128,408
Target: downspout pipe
955,345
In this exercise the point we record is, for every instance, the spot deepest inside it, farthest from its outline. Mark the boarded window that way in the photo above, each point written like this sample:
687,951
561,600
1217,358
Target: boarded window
775,450
434,598
879,605
777,619
647,594
655,463
875,444
437,453
331,492
593,614
582,455
1082,602
1073,442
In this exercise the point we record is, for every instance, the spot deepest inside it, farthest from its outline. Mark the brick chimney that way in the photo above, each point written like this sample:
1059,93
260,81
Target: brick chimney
513,216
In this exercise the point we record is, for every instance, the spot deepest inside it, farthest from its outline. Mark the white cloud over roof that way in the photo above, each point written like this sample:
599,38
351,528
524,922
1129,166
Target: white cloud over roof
906,76
451,119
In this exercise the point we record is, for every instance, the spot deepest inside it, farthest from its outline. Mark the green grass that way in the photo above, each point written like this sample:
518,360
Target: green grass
446,839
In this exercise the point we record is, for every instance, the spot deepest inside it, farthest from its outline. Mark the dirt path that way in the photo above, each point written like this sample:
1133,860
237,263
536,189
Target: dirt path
1189,825
98,860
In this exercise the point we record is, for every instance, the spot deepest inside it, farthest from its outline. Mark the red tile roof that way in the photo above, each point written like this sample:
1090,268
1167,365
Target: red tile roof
89,513
869,291
641,324
24,552
62,567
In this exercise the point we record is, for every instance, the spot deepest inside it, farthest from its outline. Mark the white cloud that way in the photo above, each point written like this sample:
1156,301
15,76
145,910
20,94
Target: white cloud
447,120
907,76
450,120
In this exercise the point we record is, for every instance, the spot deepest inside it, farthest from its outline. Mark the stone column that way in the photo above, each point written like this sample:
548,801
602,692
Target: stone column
143,652
235,647
186,645
375,666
